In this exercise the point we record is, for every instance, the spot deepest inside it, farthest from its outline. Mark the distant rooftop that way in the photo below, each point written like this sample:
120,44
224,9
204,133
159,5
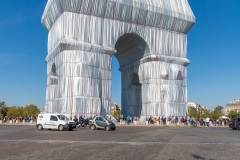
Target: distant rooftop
235,102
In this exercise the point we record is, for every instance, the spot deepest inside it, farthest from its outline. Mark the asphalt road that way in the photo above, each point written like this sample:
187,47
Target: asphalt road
126,142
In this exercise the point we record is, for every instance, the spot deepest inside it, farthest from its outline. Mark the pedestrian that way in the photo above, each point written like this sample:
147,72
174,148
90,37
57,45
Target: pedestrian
164,120
176,119
128,119
207,121
182,119
159,120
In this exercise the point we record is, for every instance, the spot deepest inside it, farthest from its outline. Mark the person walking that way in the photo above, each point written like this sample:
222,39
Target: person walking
159,119
207,121
176,120
128,119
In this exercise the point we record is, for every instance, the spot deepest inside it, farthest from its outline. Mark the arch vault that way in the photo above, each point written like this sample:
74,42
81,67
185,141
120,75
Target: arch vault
149,39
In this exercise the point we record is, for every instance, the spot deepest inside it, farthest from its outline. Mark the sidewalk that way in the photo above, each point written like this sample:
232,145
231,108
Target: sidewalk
149,125
17,123
124,124
161,125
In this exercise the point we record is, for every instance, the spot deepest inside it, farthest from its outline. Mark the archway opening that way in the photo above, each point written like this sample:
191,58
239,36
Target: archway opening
54,70
131,48
53,75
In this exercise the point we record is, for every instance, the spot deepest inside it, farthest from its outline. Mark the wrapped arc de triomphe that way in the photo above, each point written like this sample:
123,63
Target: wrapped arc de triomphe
149,39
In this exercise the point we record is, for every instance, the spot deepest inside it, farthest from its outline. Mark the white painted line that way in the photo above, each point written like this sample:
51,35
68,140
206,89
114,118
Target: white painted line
119,142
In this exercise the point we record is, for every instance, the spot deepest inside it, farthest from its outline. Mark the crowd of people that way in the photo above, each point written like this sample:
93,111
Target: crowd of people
7,119
174,120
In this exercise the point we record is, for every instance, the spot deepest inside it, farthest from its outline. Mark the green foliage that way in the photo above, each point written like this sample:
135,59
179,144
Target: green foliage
14,112
218,112
207,113
192,112
3,109
2,105
233,113
117,114
31,110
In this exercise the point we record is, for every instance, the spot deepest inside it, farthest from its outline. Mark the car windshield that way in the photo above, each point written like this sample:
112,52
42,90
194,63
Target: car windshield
62,117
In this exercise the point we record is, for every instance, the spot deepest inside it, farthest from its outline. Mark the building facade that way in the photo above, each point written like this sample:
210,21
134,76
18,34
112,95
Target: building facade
197,107
233,105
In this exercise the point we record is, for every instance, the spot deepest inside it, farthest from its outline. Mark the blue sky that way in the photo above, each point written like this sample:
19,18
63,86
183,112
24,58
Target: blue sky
213,49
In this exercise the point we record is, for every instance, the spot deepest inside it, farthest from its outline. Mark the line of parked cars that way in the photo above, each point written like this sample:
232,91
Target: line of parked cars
61,122
234,123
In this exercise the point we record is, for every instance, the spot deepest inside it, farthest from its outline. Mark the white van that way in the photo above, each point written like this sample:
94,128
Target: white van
54,121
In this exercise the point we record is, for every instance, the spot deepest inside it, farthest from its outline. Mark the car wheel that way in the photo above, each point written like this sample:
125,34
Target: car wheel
40,127
107,128
70,129
60,127
93,127
234,128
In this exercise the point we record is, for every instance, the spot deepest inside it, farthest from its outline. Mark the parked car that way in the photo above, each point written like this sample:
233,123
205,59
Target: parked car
100,122
234,123
54,121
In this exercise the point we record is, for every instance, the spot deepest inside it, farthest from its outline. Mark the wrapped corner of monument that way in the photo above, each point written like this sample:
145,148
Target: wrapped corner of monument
149,39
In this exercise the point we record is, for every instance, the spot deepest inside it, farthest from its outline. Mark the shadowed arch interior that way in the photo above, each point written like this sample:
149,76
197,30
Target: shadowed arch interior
54,78
135,79
131,48
53,70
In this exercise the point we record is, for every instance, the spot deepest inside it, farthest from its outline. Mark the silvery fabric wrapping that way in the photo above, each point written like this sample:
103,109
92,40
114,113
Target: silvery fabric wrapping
149,39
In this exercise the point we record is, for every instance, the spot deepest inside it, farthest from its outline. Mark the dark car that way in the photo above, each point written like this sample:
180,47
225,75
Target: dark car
234,123
99,122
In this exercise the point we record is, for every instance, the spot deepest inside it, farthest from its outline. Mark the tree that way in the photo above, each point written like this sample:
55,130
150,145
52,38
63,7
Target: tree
3,109
207,113
233,113
12,112
20,111
218,112
31,110
117,114
192,112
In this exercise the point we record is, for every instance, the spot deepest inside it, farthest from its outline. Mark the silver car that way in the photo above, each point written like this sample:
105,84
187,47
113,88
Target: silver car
99,122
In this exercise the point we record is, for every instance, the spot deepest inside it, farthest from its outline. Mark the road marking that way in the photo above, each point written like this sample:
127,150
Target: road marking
119,142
